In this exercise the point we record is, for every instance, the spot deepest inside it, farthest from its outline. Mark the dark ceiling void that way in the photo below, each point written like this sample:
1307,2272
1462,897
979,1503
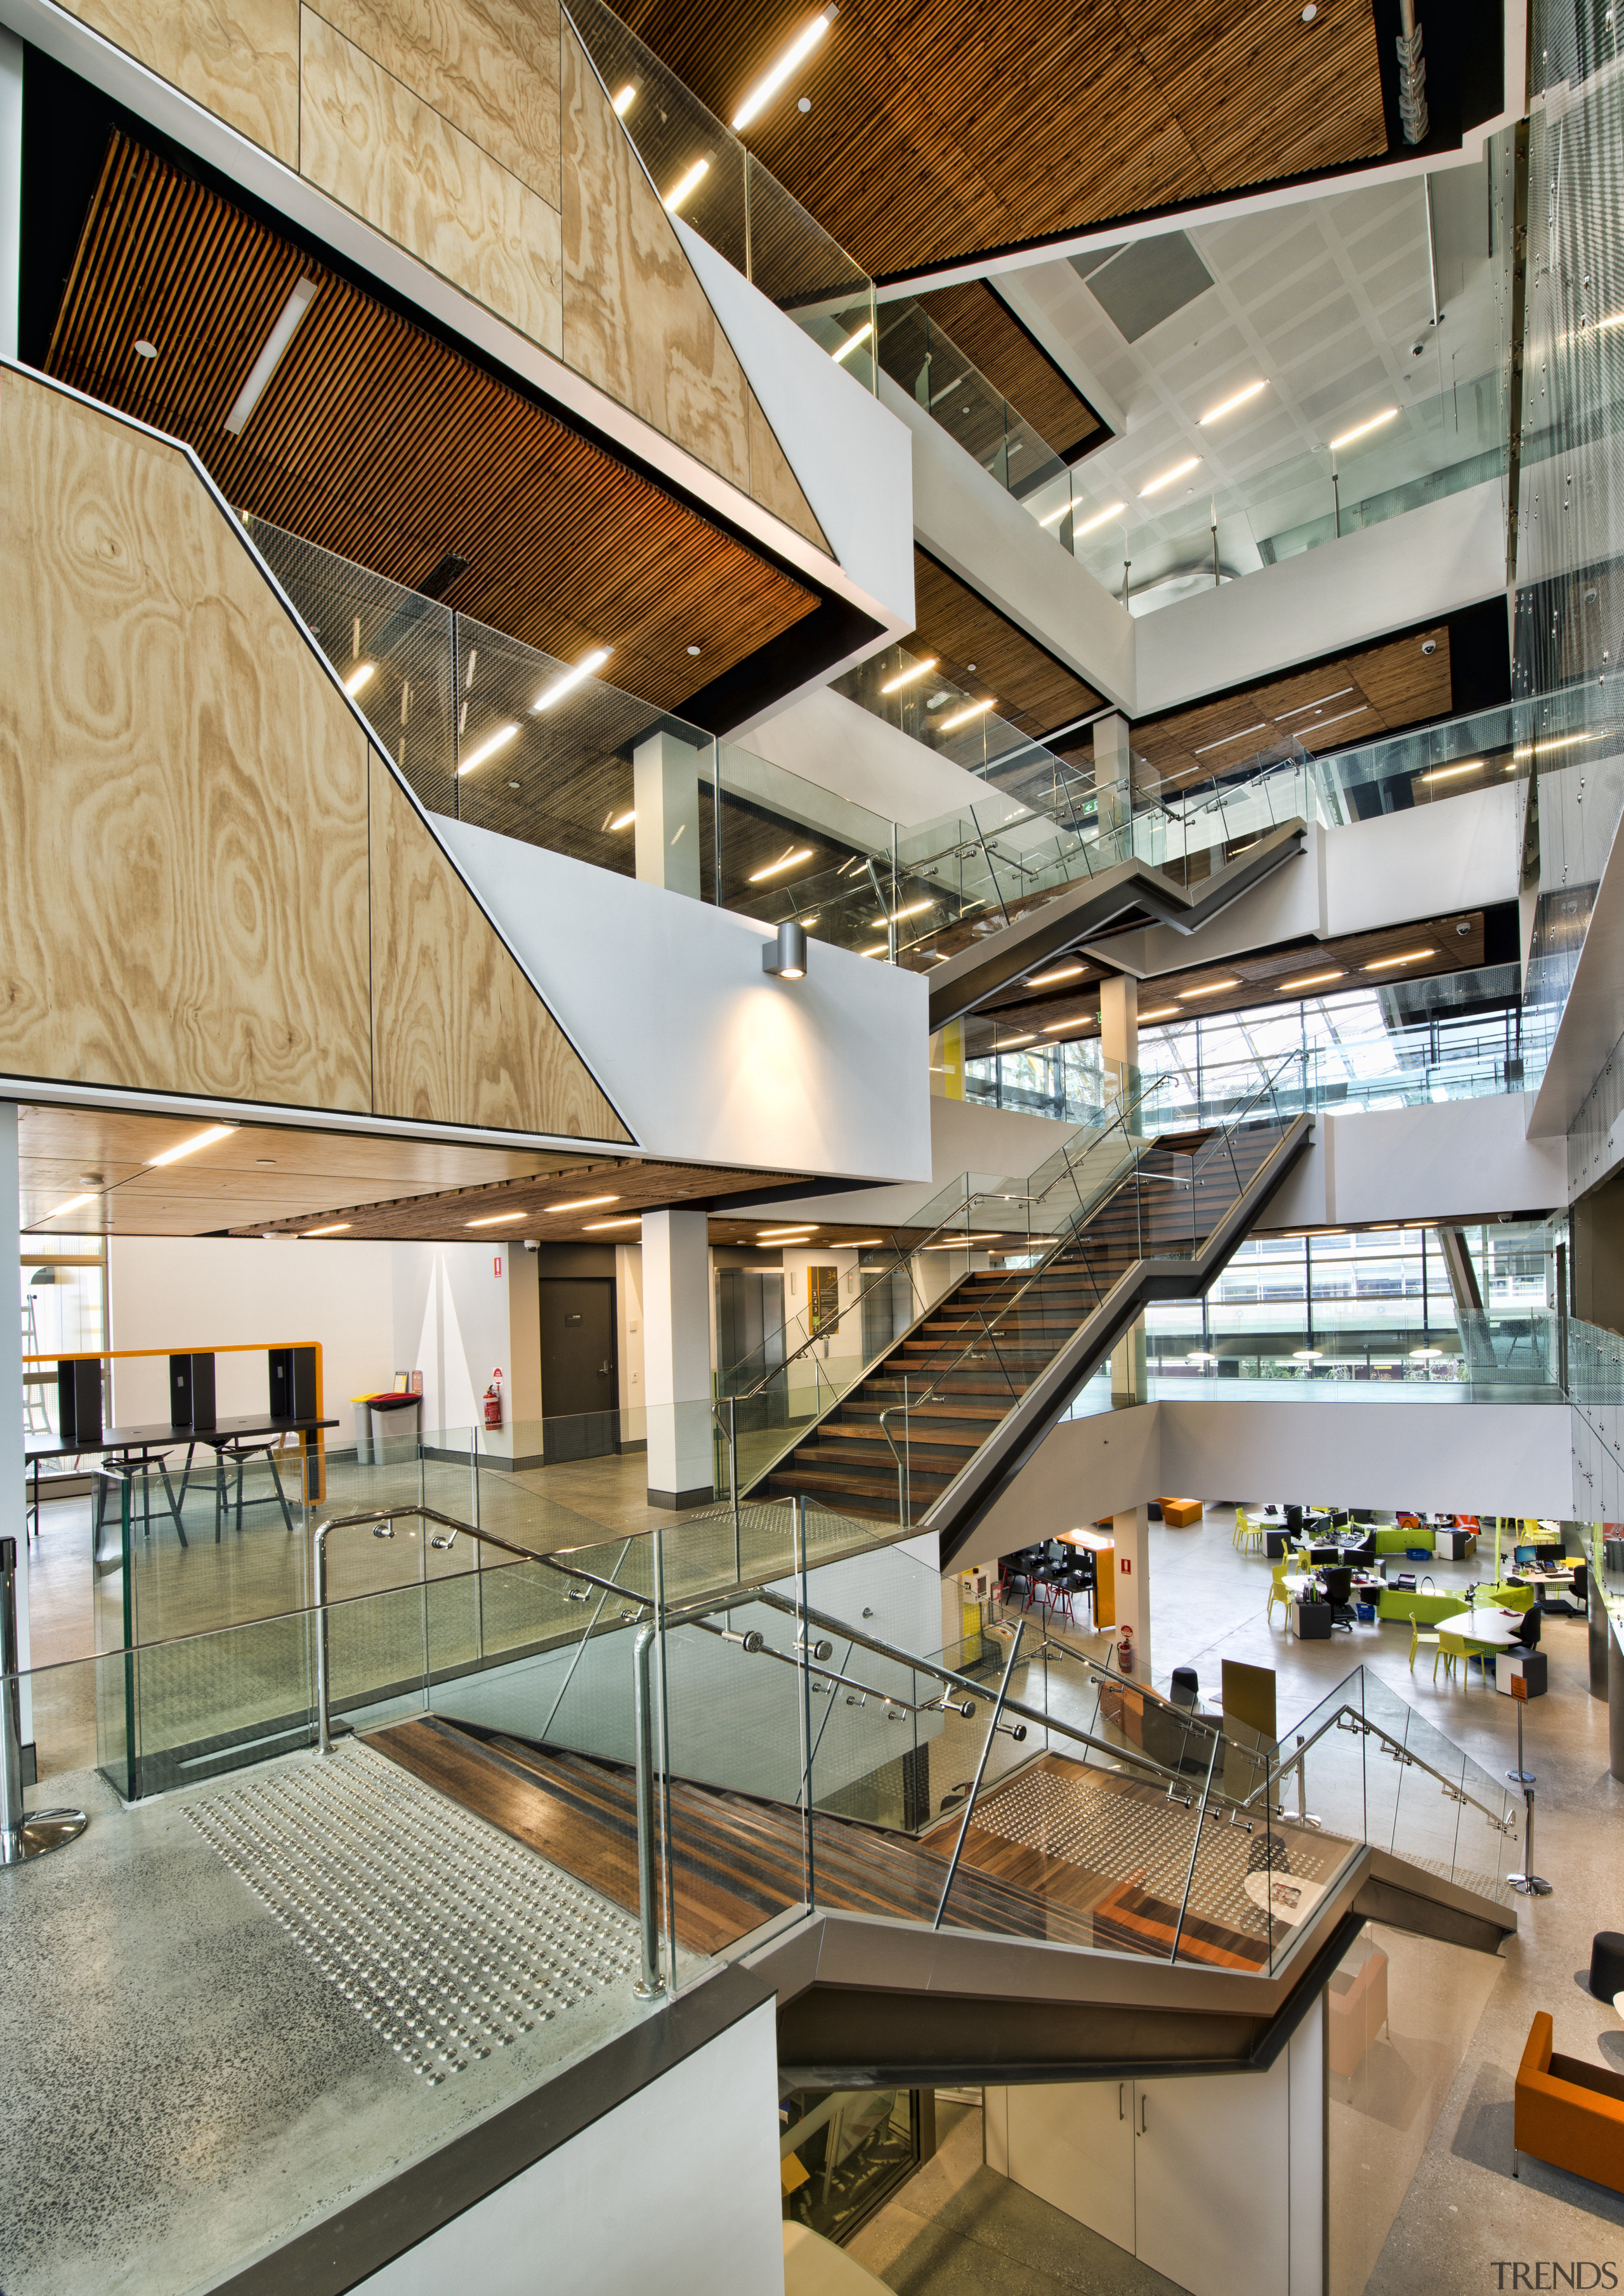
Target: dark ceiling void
979,323
376,439
981,649
934,135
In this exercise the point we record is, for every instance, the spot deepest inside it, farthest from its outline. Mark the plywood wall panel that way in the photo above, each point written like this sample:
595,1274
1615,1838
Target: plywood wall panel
237,58
376,147
184,876
771,482
636,321
490,67
459,1035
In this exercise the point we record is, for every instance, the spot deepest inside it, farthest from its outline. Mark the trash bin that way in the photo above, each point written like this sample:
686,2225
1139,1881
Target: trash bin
379,1421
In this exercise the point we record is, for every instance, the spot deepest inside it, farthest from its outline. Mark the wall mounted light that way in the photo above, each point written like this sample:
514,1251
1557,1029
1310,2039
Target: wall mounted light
787,954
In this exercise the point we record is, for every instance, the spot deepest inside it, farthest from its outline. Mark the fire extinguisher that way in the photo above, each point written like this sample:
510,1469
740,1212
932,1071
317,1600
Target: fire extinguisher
1124,1652
493,1400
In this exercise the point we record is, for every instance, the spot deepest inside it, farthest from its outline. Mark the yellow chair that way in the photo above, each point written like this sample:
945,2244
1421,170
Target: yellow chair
1242,1527
1451,1647
1276,1591
1418,1641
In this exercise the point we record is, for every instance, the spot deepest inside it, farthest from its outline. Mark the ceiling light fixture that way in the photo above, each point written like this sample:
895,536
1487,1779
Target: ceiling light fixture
914,909
1053,1028
495,1219
1002,1045
357,677
73,1204
271,357
785,955
624,101
146,350
906,677
783,1234
767,87
776,868
1217,414
1313,980
190,1147
1208,988
1363,430
1318,703
338,1227
964,717
1448,772
1047,980
1162,1012
1178,471
878,949
1053,517
685,184
581,1204
1261,727
486,748
624,820
588,664
626,1219
1411,956
851,341
1099,519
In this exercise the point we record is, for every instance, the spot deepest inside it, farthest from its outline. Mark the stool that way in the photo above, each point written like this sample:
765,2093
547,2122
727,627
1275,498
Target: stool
1607,1963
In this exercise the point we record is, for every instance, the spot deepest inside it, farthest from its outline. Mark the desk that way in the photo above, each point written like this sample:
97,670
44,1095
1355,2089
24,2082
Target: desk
140,1444
1104,1551
1492,1629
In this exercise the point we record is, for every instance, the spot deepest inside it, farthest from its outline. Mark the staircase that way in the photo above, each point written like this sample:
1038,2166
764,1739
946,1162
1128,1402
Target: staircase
943,1420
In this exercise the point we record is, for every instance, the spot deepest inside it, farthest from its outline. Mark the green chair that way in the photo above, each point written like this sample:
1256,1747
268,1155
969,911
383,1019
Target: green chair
1418,1641
1451,1647
1276,1591
1509,1598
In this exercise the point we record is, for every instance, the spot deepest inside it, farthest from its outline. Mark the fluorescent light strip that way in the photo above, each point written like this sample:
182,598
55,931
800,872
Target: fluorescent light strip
681,189
964,717
1412,956
1099,519
495,1219
73,1204
627,1220
1178,471
358,677
1078,1020
1217,414
338,1227
1361,711
625,100
1053,517
1318,704
783,1234
1003,1043
1213,989
906,677
776,868
1363,428
1260,727
1313,980
624,820
914,909
1449,773
271,357
190,1147
851,341
486,748
1047,980
1162,1012
879,950
588,665
582,1203
767,87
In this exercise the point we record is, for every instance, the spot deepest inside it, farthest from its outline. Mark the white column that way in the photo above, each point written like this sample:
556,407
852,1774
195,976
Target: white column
1132,1533
1113,783
676,1357
1120,1024
665,791
14,1501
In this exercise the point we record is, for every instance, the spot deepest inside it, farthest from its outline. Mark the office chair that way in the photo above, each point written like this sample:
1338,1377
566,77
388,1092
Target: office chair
1338,1593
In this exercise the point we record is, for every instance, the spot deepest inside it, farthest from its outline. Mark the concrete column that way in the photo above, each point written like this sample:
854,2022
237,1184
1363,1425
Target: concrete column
665,791
1120,1029
1132,1533
676,1357
1129,1371
1113,787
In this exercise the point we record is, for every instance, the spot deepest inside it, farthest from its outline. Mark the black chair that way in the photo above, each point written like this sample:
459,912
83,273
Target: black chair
1365,1551
1339,1594
1528,1633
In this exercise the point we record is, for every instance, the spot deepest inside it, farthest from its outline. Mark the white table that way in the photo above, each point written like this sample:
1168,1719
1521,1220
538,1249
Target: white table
1287,1895
1494,1629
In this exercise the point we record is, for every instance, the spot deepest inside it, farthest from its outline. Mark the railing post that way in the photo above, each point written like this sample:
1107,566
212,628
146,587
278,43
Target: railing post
981,1770
22,1835
324,1727
797,1549
733,1479
1178,1928
650,1983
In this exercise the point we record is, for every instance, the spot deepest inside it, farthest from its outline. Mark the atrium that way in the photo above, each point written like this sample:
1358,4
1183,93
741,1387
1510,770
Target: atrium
812,1059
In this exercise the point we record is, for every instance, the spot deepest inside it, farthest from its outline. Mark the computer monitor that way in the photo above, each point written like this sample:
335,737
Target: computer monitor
1525,1554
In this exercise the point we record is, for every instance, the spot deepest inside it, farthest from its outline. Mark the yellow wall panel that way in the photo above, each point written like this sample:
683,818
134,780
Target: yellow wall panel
237,58
381,150
184,875
490,67
636,321
458,1033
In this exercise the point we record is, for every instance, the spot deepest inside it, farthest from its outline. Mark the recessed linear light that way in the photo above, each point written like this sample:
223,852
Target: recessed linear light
1099,518
1448,772
624,820
358,677
1312,980
684,185
1078,1020
1261,727
581,1204
913,909
807,923
783,1234
624,101
338,1227
1053,517
1178,471
486,748
1046,979
851,341
1318,702
1362,429
776,868
627,1220
205,1139
1208,988
767,87
1162,1012
495,1219
73,1204
879,950
1410,956
964,717
1217,414
588,666
1563,742
271,356
1004,1043
906,677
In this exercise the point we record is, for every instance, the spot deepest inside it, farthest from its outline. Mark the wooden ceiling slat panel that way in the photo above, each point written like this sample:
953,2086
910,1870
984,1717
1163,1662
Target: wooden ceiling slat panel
956,623
936,134
377,440
988,332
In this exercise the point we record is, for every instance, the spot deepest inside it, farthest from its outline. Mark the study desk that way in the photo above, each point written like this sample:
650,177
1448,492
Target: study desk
1104,1549
1494,1629
141,1446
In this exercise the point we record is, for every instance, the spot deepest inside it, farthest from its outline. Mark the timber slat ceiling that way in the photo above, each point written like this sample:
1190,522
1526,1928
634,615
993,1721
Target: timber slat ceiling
987,331
936,133
378,442
955,623
1333,705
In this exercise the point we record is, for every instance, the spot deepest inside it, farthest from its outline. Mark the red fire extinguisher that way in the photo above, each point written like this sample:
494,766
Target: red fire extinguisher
1124,1652
493,1400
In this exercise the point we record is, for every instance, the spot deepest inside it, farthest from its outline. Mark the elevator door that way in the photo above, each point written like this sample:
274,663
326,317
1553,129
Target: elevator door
580,1383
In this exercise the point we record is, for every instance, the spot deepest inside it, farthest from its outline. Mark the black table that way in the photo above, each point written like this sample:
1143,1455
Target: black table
136,1446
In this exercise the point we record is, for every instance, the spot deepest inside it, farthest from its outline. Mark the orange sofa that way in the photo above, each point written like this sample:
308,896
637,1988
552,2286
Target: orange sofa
1569,2113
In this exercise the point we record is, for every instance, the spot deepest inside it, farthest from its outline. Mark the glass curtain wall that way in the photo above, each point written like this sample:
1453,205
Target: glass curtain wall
63,1311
